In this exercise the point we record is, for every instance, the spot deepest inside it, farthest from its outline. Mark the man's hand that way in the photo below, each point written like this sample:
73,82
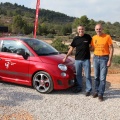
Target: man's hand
109,63
64,59
69,52
110,55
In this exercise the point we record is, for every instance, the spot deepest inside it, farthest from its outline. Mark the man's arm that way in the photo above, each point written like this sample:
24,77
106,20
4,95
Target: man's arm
91,48
69,52
110,55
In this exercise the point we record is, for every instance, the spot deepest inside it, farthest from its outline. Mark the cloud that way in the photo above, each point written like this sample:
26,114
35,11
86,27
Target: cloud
93,9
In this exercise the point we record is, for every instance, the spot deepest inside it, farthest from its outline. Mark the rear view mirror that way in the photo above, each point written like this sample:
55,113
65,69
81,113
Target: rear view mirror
23,53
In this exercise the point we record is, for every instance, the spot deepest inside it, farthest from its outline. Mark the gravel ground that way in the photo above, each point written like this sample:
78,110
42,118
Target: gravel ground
25,103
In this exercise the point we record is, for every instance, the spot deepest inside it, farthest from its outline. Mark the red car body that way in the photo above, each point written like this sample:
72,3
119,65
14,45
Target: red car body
21,63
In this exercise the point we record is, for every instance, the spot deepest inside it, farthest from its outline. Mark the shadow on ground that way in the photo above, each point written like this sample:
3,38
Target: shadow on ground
109,92
10,97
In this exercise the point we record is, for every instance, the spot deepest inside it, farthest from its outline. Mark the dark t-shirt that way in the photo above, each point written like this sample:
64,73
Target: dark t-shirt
82,46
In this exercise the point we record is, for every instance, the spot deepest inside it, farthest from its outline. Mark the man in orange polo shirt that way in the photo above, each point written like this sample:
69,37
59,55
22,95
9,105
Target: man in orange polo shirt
103,52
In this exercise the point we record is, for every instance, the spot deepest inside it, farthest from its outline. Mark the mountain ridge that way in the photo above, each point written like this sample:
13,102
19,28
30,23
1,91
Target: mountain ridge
9,10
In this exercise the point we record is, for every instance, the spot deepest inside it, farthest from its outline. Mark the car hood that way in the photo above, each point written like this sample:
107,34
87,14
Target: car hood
57,59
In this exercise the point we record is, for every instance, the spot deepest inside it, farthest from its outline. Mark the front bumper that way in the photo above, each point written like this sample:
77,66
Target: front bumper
64,83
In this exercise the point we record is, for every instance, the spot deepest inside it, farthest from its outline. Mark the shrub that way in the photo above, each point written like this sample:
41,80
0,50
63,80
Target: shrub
50,35
57,43
116,59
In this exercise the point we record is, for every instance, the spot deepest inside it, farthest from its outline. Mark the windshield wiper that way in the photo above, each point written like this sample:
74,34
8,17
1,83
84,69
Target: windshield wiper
54,53
43,54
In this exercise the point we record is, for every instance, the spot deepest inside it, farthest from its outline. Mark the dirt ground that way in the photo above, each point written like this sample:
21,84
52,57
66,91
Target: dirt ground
116,51
18,115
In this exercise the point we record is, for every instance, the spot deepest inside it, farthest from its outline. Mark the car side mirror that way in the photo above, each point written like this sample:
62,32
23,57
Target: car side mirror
23,53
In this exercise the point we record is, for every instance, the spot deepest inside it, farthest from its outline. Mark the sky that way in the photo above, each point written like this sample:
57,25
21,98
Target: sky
105,10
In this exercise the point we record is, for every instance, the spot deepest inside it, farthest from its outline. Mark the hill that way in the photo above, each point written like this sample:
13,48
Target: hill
8,10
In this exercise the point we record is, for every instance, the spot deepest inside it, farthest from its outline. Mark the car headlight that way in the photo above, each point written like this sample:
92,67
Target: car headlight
62,67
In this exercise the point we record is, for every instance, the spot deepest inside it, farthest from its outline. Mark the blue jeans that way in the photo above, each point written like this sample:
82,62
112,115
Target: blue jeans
100,72
80,65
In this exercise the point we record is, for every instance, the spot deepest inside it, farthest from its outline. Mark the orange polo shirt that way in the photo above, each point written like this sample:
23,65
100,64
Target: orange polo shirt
101,44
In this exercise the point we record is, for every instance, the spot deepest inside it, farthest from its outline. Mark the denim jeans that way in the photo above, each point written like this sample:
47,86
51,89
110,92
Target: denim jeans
80,65
100,72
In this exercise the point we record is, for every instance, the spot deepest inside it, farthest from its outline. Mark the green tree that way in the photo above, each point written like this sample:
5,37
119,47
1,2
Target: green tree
92,24
84,20
106,31
57,43
17,24
81,21
66,29
42,29
20,26
76,22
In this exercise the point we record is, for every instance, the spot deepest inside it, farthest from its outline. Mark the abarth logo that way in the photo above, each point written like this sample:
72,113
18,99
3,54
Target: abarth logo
8,63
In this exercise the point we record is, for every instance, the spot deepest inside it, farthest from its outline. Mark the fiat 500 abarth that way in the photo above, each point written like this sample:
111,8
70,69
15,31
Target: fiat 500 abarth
33,62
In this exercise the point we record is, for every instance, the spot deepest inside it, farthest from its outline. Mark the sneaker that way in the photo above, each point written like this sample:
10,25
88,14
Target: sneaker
87,94
95,95
100,97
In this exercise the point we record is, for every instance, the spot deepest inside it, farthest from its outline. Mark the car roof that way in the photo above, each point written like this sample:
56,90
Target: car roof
14,37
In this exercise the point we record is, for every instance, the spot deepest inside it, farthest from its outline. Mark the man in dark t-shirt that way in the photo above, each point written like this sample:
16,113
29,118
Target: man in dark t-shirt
82,59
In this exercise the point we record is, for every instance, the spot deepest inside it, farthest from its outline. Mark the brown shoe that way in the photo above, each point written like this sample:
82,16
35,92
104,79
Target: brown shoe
100,97
95,95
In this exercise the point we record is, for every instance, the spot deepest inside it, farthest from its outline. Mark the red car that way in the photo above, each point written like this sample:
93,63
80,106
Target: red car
32,62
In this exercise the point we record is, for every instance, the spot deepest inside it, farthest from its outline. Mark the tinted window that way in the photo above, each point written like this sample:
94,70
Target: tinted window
11,46
40,47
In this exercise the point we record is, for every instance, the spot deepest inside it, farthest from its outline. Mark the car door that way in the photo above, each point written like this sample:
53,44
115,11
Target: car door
14,68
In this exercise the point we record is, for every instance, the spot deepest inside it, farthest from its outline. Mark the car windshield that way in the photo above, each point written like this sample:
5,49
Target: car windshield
40,47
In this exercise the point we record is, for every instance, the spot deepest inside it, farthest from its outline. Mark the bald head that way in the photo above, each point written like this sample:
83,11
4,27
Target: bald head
98,29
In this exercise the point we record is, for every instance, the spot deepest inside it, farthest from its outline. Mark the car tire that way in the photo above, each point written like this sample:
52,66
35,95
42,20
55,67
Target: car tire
42,82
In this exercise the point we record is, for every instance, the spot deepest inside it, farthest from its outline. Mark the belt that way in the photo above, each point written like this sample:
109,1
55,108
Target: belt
101,55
